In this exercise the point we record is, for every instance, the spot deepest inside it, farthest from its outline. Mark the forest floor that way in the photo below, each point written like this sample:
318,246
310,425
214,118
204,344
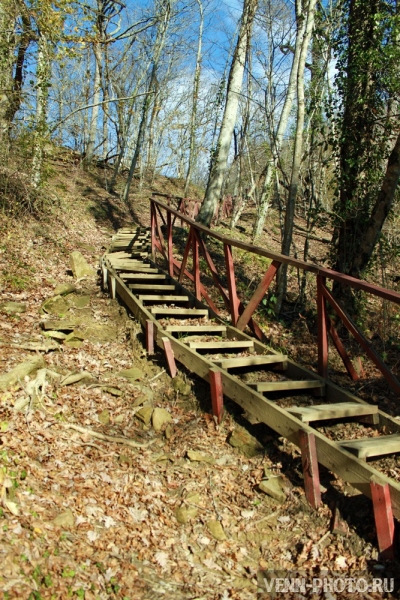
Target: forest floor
179,512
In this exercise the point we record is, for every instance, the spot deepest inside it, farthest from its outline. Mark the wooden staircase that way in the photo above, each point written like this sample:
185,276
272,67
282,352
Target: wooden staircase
247,369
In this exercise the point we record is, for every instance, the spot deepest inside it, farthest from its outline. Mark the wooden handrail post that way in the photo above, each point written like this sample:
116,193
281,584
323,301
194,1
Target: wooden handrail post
196,267
258,294
169,244
230,273
153,218
384,521
322,328
217,396
310,467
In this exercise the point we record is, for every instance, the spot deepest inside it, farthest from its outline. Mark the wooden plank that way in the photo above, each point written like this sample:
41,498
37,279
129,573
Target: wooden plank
258,294
217,397
169,355
384,521
160,298
277,386
135,270
310,467
353,282
364,448
323,412
354,471
220,345
179,312
145,276
196,328
120,264
152,286
150,336
364,343
250,361
322,322
230,274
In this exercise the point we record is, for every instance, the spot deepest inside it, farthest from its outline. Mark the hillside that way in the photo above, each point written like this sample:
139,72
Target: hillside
178,513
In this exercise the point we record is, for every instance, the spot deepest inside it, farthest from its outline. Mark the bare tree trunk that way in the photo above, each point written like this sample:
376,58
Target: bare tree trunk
219,163
43,73
195,97
159,45
273,161
306,14
98,55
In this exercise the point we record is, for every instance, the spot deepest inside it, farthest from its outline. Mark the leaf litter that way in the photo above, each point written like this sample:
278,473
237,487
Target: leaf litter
84,513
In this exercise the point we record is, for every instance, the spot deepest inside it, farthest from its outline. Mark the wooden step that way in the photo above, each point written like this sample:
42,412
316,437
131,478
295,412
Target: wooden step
152,286
251,361
128,269
341,410
196,328
277,386
179,312
123,264
144,276
221,345
375,446
159,298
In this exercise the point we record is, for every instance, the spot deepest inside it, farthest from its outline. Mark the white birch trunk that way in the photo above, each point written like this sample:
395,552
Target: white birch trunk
193,119
219,163
96,103
308,16
159,45
272,163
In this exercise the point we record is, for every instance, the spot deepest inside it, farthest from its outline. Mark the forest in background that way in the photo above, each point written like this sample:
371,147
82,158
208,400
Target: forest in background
291,105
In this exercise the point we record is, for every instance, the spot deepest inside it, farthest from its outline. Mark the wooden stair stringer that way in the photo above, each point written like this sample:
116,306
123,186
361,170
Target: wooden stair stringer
330,454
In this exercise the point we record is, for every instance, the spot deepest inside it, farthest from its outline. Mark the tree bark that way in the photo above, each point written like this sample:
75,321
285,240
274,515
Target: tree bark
306,14
43,74
220,159
159,45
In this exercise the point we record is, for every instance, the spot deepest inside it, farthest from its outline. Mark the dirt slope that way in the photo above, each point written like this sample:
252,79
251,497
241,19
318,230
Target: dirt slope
178,513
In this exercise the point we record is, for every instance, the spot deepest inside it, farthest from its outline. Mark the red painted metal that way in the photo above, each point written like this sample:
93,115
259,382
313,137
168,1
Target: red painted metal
203,290
342,351
325,327
384,521
390,378
196,267
153,219
230,273
213,269
322,329
353,282
217,397
309,463
169,355
150,337
169,243
185,256
161,245
258,295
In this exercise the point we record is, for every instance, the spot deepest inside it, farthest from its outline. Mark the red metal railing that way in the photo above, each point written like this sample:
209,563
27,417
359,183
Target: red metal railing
198,238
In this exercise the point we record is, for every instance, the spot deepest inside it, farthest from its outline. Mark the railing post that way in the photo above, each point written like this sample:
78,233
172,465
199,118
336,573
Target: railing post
169,244
230,273
384,521
150,337
309,463
258,295
217,396
153,218
322,329
196,267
